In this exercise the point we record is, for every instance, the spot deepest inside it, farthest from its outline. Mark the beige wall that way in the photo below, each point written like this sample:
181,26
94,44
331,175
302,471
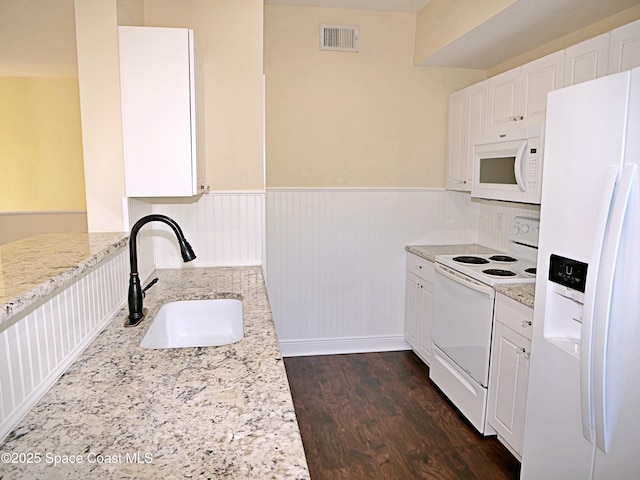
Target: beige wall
40,145
441,22
15,226
561,43
367,119
229,38
99,78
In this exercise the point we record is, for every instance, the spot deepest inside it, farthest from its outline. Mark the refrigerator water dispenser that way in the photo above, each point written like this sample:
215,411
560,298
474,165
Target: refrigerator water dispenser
565,303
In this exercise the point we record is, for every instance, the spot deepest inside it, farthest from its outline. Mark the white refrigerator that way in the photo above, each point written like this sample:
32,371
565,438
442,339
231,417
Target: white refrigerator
583,405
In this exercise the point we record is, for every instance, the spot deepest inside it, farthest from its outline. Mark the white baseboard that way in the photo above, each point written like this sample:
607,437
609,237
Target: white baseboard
335,346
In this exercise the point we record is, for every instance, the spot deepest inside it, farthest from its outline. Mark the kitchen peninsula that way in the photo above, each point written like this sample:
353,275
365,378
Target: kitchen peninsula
121,410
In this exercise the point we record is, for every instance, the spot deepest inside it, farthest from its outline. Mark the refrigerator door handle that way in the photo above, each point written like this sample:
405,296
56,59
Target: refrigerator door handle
586,332
517,166
604,291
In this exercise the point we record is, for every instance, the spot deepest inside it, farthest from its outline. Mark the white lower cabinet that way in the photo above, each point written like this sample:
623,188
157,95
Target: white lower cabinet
419,305
509,372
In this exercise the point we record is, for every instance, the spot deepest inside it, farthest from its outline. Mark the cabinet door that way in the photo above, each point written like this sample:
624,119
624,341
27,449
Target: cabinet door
157,79
508,385
539,78
477,96
624,48
587,60
411,319
457,142
425,316
504,105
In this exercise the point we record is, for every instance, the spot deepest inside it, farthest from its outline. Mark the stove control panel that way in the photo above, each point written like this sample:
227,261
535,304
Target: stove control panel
525,231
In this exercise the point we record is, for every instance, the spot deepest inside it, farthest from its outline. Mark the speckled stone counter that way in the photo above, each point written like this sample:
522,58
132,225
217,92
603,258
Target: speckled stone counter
521,292
32,268
122,411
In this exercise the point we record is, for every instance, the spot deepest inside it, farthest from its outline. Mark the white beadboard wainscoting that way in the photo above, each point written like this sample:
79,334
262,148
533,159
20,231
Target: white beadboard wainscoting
496,219
337,261
44,340
224,228
136,208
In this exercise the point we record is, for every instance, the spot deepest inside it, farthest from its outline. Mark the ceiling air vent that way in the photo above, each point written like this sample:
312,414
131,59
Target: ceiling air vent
341,38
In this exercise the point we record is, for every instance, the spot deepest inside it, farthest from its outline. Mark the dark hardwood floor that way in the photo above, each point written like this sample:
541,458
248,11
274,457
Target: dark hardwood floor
378,416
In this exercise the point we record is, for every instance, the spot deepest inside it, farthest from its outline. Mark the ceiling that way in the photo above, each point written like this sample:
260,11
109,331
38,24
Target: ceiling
380,5
37,37
523,26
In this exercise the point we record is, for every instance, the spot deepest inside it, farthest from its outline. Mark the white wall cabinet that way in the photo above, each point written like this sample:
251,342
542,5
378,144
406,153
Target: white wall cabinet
161,91
467,120
518,97
419,305
457,143
624,48
586,60
509,372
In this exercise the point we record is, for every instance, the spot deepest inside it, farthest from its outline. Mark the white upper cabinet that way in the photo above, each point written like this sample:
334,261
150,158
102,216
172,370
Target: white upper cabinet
477,96
539,78
467,120
586,60
162,122
518,97
505,91
457,142
624,48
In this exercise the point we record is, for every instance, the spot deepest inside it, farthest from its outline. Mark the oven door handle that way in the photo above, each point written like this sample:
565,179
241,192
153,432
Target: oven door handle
464,280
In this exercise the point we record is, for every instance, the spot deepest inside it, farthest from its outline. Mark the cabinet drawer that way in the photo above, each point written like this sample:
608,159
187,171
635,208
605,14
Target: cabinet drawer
420,267
515,315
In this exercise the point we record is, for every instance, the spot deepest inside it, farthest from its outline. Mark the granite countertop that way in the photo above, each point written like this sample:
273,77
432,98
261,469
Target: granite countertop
126,412
32,268
523,293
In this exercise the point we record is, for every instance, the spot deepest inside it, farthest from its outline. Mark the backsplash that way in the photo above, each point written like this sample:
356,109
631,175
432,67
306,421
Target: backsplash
496,218
224,228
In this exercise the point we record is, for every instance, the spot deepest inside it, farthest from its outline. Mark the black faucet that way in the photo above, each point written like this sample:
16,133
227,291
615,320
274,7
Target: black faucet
136,292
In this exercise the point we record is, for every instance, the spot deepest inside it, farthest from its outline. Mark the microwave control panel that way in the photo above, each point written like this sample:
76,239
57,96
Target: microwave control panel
532,163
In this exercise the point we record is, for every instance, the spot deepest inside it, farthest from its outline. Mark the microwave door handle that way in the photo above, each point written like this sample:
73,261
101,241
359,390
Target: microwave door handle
517,166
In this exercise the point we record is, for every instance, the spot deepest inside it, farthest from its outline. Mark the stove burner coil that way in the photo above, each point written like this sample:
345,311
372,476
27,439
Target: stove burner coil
470,259
497,272
530,270
503,258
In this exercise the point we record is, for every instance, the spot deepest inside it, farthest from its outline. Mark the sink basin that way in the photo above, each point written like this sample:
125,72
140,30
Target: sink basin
196,323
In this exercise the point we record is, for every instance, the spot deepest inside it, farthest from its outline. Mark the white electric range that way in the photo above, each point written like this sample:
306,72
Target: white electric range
463,303
518,265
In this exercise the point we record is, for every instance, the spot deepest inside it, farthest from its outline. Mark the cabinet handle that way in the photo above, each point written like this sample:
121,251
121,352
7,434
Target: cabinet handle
526,323
518,117
521,350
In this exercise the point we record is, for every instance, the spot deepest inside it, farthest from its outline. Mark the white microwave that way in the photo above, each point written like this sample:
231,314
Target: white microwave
508,166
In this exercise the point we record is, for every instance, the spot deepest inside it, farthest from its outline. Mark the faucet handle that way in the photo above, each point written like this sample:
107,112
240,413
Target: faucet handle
149,285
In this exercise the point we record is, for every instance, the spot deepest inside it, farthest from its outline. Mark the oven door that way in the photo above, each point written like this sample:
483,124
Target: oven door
462,321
